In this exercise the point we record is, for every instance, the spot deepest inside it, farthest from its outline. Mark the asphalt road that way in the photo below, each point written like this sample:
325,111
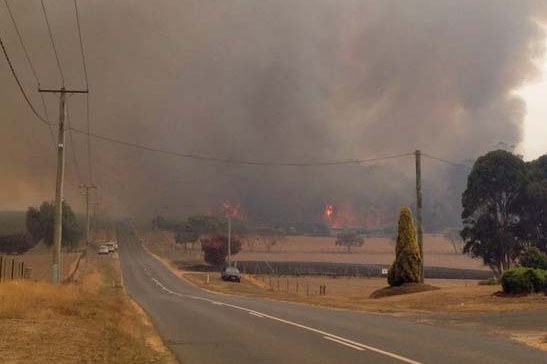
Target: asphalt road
204,327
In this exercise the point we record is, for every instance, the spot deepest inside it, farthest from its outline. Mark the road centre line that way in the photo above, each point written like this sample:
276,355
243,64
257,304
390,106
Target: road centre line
343,343
326,335
255,314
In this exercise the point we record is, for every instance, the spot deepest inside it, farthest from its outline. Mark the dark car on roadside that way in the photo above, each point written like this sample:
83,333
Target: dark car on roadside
231,274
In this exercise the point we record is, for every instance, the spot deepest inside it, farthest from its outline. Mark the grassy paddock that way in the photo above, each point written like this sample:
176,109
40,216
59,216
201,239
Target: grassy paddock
438,251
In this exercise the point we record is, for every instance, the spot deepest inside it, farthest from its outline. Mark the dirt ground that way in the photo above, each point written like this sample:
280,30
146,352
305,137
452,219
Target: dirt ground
89,321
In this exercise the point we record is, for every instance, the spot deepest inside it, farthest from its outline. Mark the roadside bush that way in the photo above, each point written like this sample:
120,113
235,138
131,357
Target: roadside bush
16,243
524,280
215,249
407,265
534,258
538,279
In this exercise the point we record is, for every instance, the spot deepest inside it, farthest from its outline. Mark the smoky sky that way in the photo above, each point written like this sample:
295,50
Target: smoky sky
279,80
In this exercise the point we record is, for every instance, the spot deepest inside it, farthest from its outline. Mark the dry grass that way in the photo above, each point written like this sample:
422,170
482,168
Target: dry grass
92,321
534,339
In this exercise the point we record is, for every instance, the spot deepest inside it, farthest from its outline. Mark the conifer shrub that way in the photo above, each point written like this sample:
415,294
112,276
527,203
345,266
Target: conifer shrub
407,265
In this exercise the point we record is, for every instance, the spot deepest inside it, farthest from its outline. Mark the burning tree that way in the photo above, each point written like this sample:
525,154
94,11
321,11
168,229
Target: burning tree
349,239
215,249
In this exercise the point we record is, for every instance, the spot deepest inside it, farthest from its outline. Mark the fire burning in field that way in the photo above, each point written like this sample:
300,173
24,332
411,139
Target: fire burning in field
233,210
329,210
344,216
341,216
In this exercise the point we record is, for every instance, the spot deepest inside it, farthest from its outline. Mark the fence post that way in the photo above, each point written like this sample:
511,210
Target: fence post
12,267
287,285
22,271
308,290
278,283
297,287
1,268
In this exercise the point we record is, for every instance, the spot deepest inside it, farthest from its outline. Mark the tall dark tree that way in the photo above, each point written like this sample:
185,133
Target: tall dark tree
40,224
534,201
493,210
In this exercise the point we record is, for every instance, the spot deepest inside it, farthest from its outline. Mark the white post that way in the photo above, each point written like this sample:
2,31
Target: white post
229,241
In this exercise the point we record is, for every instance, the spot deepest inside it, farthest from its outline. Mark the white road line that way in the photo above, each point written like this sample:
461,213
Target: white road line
255,314
326,335
343,343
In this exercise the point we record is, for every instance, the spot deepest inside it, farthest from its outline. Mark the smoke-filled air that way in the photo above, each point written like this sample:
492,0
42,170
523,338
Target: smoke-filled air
279,81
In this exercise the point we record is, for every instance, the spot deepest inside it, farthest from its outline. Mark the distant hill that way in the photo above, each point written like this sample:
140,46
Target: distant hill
12,222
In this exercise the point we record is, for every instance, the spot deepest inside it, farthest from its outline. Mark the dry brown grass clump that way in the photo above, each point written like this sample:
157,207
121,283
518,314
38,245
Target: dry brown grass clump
20,299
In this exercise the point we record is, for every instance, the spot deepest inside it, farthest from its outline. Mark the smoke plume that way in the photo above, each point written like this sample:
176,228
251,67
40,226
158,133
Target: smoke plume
272,80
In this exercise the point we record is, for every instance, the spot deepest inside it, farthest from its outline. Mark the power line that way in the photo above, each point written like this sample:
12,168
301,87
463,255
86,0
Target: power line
81,42
29,103
31,65
84,63
53,42
239,161
455,164
73,147
21,41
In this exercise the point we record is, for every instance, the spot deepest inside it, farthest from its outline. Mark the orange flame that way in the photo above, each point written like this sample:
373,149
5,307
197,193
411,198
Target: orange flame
329,210
340,216
233,210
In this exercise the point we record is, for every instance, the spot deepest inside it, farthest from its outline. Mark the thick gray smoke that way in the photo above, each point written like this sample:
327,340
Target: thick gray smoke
279,80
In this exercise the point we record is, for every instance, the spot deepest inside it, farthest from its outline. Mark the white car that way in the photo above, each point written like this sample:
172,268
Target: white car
111,246
103,249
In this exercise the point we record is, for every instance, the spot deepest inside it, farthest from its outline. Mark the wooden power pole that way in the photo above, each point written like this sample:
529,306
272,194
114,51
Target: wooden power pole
419,210
86,189
58,228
